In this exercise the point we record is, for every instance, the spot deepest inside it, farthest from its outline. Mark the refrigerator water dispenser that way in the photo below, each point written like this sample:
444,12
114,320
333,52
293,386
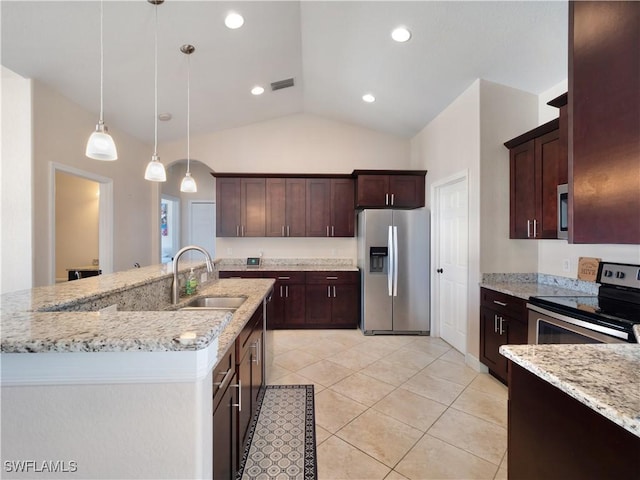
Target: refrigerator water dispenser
378,259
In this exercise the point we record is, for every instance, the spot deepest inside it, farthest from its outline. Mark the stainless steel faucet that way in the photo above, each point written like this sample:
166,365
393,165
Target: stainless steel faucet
174,288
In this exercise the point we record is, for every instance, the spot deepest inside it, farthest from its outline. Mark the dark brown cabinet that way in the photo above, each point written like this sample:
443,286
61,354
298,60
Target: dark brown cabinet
503,320
241,210
604,122
546,423
332,299
249,356
225,417
538,164
330,207
288,301
286,207
390,190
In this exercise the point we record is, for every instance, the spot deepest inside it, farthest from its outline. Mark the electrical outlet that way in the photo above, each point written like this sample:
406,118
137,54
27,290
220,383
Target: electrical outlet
566,265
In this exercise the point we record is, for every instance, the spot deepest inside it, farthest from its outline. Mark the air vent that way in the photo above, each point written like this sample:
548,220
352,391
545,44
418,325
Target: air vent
280,84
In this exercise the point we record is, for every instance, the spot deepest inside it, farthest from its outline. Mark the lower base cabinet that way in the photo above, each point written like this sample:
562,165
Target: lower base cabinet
326,299
237,382
554,436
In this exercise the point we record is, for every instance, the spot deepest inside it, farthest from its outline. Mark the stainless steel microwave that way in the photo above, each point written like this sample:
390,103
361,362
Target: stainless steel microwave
563,211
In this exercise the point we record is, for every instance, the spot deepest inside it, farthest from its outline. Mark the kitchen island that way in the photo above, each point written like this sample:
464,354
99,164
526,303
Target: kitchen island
99,393
574,410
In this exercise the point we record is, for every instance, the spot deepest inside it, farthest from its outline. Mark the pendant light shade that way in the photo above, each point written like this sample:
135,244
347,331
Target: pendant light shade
100,145
188,184
155,171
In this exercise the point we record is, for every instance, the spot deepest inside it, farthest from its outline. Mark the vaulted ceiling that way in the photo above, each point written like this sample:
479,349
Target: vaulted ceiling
335,52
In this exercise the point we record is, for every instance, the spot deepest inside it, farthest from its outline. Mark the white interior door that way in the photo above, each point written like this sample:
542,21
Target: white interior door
202,225
451,263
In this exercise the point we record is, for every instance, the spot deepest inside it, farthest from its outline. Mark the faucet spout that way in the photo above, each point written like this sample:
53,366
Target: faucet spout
174,287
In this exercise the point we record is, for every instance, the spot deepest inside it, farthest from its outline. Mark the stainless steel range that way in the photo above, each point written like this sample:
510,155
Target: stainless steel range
604,318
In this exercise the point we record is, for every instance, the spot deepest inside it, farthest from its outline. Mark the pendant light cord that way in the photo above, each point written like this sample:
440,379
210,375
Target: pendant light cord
188,111
101,63
155,73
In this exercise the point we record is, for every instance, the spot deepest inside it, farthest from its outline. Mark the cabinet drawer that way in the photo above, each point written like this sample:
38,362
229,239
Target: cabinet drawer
223,374
503,303
241,274
287,277
332,277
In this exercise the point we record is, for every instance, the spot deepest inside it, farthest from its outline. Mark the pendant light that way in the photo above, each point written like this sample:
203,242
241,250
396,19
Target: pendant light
155,171
188,184
100,145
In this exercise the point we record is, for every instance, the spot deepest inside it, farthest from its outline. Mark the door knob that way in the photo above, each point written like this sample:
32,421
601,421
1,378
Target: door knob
440,270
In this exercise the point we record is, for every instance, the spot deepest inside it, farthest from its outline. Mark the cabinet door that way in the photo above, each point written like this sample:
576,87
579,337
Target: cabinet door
344,308
372,191
318,217
276,308
604,122
550,169
490,341
228,212
225,439
342,207
407,191
253,193
276,207
295,306
318,304
522,190
296,207
244,415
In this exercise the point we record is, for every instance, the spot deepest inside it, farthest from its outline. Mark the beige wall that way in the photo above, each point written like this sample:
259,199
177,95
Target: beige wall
300,143
16,237
468,136
77,210
553,253
60,132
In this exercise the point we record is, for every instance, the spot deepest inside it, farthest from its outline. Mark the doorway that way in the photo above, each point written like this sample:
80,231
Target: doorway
169,227
451,258
82,221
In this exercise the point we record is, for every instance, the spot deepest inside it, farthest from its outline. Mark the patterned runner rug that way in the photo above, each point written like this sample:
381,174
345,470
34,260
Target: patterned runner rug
282,436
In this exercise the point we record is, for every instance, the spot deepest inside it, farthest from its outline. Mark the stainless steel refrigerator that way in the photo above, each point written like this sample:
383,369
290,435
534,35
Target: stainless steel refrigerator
393,258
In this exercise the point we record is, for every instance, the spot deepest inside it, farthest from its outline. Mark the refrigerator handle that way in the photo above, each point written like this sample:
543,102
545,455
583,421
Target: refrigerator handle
395,261
391,266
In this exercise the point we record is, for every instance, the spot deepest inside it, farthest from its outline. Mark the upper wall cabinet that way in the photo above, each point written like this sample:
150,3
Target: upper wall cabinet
390,188
604,122
286,207
537,165
330,207
240,208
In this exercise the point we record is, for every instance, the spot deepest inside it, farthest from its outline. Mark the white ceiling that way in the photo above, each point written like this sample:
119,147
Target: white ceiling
336,51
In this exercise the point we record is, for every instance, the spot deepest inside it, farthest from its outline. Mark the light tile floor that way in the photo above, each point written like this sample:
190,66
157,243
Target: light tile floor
395,407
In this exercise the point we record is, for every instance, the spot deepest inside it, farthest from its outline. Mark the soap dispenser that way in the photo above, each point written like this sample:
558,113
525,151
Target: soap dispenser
192,283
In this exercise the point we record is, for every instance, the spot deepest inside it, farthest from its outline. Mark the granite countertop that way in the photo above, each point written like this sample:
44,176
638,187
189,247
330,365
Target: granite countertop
525,285
604,377
289,265
26,326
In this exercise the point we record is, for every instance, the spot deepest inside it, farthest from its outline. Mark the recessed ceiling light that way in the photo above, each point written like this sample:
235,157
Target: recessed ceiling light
401,34
234,20
368,98
257,90
165,117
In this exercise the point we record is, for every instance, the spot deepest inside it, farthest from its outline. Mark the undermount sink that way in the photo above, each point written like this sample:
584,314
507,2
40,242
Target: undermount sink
214,303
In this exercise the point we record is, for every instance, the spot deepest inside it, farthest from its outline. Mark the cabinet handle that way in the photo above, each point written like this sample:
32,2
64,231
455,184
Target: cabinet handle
386,199
327,230
288,232
286,287
239,404
282,231
334,291
528,228
284,278
224,379
242,230
328,291
392,198
332,278
535,228
500,303
280,291
333,233
495,324
256,360
237,230
501,329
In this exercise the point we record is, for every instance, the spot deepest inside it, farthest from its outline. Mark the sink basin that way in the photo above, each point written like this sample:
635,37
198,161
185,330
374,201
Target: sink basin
214,303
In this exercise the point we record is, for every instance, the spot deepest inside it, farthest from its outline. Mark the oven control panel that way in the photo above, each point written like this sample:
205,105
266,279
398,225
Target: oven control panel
619,274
